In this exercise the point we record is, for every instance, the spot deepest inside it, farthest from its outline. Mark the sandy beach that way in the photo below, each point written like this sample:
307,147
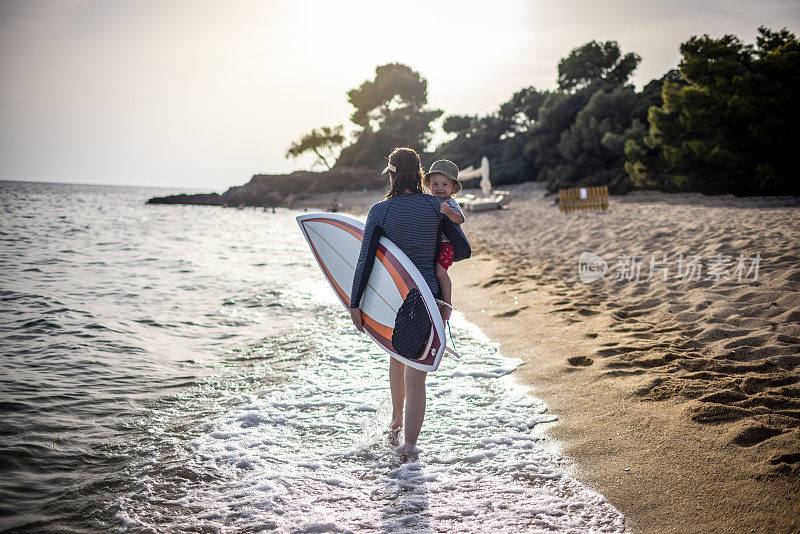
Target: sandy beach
677,390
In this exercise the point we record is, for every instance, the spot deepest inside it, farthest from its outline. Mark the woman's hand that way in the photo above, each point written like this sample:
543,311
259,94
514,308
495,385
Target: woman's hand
355,315
445,311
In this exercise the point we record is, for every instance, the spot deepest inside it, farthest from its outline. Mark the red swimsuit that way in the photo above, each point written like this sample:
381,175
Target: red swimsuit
445,254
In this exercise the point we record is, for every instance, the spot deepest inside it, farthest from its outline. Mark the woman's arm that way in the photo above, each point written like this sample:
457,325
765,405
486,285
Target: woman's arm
366,258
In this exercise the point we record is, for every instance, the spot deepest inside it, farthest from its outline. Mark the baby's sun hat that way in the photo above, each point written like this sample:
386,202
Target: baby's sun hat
449,169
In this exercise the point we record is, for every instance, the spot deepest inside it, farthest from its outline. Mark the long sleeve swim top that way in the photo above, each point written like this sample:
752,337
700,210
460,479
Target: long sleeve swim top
411,221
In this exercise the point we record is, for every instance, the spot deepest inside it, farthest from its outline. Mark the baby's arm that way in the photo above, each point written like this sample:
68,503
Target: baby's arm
452,211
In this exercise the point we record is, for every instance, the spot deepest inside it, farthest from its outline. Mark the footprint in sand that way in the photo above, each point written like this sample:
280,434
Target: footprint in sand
717,413
567,309
644,305
580,361
747,341
753,435
510,313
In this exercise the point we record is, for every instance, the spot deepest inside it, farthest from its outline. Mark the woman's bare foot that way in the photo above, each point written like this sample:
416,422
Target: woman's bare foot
397,422
408,452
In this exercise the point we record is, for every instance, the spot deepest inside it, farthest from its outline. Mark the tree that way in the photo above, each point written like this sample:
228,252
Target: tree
643,162
326,140
389,112
725,130
458,123
556,115
573,149
593,147
596,61
522,110
566,137
500,136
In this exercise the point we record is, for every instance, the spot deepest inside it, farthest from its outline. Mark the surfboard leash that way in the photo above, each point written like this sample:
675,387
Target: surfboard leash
453,343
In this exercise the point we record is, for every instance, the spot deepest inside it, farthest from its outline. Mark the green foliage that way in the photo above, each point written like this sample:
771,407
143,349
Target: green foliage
522,109
556,115
644,163
726,129
389,112
500,136
582,129
575,135
720,123
323,141
592,147
596,61
457,123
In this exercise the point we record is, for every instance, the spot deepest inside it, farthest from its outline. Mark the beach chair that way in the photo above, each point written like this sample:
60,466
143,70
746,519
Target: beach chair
593,198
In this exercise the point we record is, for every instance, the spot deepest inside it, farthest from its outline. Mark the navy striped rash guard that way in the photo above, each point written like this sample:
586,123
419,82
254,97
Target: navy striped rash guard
412,222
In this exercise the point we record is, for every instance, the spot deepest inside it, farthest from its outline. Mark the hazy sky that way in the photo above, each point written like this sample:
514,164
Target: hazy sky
204,94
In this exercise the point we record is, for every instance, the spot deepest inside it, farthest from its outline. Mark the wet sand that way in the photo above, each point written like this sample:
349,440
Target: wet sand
678,399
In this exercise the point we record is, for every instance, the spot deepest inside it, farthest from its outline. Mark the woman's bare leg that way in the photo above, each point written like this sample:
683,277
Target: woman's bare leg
415,403
398,387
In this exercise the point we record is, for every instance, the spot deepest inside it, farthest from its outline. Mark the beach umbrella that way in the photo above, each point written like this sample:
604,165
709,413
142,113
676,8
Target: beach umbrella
465,174
486,185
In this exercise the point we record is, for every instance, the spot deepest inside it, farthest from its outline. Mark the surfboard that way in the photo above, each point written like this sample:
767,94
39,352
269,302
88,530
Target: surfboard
335,242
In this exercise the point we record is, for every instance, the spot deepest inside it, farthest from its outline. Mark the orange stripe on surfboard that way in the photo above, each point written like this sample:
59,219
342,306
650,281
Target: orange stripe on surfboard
398,280
382,329
346,227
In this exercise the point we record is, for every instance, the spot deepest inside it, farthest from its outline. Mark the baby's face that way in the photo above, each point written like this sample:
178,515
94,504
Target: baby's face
441,185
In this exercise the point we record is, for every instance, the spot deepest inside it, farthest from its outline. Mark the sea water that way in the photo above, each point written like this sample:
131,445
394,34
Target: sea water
188,369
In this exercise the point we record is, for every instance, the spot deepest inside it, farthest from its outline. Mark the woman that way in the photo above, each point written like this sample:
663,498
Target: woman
410,219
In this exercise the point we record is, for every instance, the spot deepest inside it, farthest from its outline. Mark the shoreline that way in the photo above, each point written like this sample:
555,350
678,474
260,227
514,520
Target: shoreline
679,402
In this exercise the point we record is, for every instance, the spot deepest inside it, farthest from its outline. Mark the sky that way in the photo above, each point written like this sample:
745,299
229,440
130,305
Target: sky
202,95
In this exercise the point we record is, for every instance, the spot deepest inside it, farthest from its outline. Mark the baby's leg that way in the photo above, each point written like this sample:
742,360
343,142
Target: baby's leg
447,289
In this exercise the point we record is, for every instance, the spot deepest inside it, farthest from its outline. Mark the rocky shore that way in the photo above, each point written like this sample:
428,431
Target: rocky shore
272,190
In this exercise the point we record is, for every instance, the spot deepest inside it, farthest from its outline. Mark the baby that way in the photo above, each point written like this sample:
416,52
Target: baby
442,181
